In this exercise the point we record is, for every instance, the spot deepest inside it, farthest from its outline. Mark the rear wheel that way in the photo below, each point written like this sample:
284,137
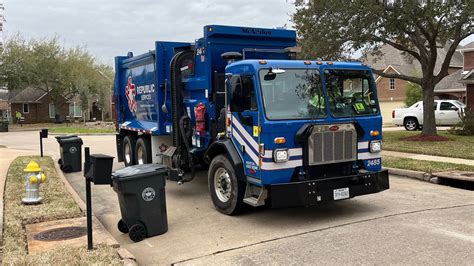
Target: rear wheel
122,227
143,151
411,124
128,150
227,192
137,232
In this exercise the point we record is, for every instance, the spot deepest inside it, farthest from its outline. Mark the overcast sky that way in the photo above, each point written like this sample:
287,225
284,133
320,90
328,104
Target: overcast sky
112,27
108,28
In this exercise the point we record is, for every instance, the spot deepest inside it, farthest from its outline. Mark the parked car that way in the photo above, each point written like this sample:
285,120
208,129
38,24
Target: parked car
447,113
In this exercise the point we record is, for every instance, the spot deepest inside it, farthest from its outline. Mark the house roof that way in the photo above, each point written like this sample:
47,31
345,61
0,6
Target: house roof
451,83
405,63
28,95
466,48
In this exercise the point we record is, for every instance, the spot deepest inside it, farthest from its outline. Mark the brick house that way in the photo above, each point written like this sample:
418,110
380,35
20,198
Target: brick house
467,74
392,92
37,106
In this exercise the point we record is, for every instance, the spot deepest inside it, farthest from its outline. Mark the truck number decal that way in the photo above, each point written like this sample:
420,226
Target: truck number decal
373,162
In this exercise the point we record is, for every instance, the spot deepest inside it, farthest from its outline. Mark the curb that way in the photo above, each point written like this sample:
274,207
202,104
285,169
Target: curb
83,134
123,253
422,176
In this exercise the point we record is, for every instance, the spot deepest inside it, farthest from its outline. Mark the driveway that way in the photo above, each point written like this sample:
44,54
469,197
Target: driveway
412,223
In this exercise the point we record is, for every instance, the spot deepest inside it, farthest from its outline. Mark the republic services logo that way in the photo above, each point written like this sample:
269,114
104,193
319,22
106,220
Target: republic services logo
131,92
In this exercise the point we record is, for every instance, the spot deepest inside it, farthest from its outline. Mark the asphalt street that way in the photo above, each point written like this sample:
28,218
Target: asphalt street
412,223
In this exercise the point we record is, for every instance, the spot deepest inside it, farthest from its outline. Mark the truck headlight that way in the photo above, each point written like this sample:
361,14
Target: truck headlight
280,155
375,146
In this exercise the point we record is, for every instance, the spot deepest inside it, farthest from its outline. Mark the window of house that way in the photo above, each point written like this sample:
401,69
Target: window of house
26,108
52,110
75,110
392,84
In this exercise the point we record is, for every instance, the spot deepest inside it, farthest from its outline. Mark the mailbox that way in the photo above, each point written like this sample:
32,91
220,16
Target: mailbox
44,133
99,169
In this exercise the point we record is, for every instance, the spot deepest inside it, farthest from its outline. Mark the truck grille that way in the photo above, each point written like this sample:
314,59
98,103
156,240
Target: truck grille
332,144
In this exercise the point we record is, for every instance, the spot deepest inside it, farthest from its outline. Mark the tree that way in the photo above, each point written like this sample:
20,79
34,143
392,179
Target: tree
336,29
46,65
414,94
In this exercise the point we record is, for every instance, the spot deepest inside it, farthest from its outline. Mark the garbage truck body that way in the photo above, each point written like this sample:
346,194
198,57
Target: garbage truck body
269,129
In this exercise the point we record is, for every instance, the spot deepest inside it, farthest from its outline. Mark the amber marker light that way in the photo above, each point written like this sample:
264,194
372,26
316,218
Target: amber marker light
307,62
330,63
374,133
280,140
319,62
262,62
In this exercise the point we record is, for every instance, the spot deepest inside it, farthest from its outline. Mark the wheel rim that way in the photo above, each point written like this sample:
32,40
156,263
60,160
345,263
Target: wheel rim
140,155
137,233
222,185
128,153
411,124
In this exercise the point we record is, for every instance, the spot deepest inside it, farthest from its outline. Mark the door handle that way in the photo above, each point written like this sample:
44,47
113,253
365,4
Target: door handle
442,113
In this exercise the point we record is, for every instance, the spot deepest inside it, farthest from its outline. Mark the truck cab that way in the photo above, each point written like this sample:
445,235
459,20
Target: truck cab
267,128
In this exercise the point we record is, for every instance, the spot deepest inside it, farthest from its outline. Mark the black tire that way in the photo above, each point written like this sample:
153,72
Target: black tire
137,232
122,226
143,151
411,124
60,162
221,167
128,149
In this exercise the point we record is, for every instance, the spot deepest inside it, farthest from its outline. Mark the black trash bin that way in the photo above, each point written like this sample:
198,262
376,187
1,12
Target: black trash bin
141,195
3,125
70,148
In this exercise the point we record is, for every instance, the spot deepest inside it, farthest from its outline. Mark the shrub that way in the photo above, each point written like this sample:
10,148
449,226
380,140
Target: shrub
466,126
414,94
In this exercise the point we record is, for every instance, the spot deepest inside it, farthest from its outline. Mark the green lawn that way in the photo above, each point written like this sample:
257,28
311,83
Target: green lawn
57,204
79,130
458,147
423,166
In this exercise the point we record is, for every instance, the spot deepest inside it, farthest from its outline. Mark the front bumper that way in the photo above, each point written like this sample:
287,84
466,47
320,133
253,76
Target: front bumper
308,193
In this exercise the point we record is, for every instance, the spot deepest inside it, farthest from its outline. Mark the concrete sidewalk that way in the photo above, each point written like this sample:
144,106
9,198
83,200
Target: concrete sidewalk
428,157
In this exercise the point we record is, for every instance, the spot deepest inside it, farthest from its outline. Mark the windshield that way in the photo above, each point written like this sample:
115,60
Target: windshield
350,93
292,94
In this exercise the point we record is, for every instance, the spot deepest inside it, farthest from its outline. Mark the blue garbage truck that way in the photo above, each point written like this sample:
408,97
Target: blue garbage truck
268,128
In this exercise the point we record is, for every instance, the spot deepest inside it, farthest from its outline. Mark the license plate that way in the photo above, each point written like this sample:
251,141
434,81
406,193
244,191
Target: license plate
341,193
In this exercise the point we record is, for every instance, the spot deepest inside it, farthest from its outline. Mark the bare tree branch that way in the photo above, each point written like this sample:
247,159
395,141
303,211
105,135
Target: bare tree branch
397,76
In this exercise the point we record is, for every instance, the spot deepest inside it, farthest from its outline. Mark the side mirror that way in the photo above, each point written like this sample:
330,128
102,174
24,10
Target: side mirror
454,108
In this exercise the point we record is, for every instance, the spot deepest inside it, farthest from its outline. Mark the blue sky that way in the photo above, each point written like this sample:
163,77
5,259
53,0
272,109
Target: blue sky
112,27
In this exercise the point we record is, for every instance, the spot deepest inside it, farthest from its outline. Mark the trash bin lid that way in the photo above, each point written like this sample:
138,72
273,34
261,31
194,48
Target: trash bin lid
138,171
74,139
65,137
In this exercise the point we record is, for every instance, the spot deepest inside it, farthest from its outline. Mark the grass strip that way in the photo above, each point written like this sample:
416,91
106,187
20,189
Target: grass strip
79,130
422,165
457,147
57,204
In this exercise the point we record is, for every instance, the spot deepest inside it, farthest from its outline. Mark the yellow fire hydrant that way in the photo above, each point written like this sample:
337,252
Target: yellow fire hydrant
34,177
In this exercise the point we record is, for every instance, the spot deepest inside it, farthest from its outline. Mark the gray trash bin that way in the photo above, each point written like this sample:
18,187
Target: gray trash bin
70,148
3,125
141,195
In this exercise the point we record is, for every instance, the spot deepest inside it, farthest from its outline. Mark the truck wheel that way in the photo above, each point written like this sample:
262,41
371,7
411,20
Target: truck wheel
227,192
411,124
128,150
143,151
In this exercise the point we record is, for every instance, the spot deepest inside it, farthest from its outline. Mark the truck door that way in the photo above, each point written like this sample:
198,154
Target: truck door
448,114
245,124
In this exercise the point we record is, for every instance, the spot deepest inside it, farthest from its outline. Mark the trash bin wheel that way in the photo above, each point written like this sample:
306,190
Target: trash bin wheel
137,232
60,162
66,169
122,226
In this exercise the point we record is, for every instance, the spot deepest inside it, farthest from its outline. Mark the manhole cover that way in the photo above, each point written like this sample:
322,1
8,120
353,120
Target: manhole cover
62,233
468,174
